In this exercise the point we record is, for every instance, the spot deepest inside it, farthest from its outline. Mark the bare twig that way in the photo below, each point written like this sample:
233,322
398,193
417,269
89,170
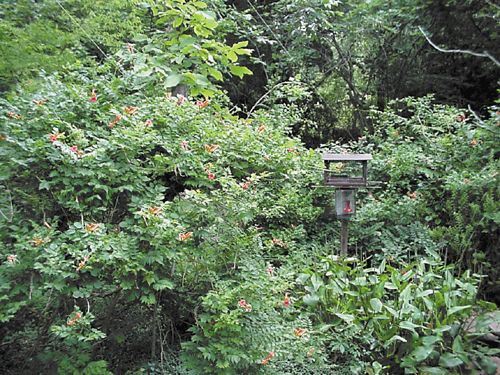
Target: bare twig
270,29
463,51
263,97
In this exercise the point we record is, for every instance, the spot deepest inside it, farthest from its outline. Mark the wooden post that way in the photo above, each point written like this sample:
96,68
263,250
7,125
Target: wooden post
343,237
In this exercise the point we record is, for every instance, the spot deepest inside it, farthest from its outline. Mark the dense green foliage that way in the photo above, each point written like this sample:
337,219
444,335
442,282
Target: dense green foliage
157,215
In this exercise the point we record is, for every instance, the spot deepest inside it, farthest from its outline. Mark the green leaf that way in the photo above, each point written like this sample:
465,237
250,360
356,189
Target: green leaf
215,73
310,299
393,339
148,299
44,185
409,326
433,371
173,80
455,309
163,284
316,282
232,56
422,353
348,318
376,304
177,22
449,360
240,71
200,4
430,340
240,44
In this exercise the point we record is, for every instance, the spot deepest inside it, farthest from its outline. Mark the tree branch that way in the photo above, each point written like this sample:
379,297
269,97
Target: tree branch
464,51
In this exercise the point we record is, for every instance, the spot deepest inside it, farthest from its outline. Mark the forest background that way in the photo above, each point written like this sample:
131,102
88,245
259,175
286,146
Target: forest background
161,208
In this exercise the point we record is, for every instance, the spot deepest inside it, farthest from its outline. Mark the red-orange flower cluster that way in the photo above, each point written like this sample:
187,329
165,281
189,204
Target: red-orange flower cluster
40,102
73,320
299,332
14,115
245,185
202,103
180,99
131,110
75,150
185,236
211,148
82,263
278,242
266,360
154,210
54,137
37,241
270,270
91,227
93,96
245,305
287,301
115,121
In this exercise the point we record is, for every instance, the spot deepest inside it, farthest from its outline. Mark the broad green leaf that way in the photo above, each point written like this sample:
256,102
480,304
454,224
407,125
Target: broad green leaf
409,326
177,22
449,360
430,340
433,371
393,339
240,71
240,44
310,299
455,309
422,352
200,4
215,73
348,318
316,282
173,80
376,304
232,56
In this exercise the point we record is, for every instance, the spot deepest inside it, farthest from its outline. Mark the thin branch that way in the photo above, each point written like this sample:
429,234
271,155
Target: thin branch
463,51
270,29
263,97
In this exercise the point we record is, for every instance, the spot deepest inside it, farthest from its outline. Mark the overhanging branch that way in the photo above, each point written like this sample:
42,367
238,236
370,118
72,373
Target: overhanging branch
464,51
